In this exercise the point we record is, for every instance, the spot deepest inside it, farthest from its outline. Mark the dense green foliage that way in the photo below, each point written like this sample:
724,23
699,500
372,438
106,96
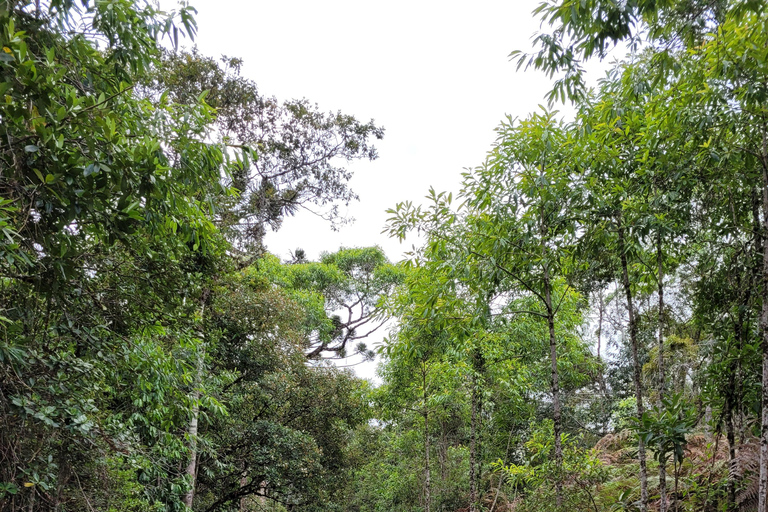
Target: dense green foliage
585,326
601,283
150,358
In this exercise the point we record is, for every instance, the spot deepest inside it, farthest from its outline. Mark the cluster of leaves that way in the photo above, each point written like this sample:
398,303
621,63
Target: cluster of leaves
580,467
148,361
301,150
651,205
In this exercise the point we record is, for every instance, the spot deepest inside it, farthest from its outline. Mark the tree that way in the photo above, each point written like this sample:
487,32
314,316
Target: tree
525,237
104,195
415,372
112,260
345,291
586,29
299,147
513,239
283,404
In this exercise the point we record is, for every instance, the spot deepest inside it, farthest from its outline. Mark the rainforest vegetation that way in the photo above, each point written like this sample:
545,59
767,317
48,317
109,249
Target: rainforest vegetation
583,326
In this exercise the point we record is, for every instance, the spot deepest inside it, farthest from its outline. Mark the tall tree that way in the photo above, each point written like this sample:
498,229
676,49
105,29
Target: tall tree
300,149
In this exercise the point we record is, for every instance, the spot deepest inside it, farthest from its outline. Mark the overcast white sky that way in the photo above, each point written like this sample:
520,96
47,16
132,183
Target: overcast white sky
435,74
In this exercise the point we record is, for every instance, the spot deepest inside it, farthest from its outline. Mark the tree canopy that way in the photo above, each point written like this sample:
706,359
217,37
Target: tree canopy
583,325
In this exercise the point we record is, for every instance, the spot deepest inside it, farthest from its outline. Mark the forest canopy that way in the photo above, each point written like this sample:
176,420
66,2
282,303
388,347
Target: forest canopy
153,355
583,325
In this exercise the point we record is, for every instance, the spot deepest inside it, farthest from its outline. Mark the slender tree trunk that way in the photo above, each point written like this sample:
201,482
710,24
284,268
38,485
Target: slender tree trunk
478,367
660,273
730,434
636,363
662,379
708,423
427,474
243,483
442,452
763,482
192,429
473,447
191,470
731,398
555,384
601,312
554,376
676,469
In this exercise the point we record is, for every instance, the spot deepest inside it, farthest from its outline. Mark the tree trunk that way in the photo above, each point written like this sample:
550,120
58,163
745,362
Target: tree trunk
473,448
676,469
662,384
636,363
427,474
730,434
191,470
601,313
442,452
243,483
763,482
555,384
554,376
732,395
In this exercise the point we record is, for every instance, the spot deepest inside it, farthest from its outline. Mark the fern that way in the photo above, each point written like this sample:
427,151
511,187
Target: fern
745,470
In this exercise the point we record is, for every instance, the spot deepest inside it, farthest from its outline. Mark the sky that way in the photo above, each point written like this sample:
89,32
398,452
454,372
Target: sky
436,75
